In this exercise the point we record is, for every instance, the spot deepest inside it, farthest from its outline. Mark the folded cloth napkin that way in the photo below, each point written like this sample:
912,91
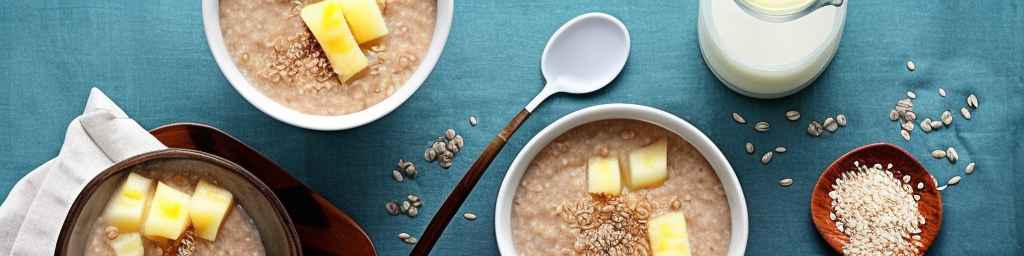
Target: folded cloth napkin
34,210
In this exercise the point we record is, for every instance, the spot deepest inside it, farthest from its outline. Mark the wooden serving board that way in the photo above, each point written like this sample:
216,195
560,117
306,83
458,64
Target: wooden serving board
323,229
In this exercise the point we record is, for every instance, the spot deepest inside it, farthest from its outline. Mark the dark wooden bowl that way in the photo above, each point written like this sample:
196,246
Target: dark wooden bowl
271,219
930,204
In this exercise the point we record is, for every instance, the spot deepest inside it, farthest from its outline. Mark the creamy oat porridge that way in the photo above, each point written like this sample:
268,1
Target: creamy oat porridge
279,55
201,216
555,213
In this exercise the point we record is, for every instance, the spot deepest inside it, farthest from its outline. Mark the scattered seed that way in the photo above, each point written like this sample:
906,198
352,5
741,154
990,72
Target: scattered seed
739,119
966,113
410,240
911,67
841,120
926,125
767,157
430,155
830,124
920,185
410,171
780,149
392,208
908,125
814,129
792,115
786,182
938,154
941,188
911,95
397,176
449,134
413,212
909,116
905,134
942,92
954,180
761,126
947,117
906,178
472,121
469,216
404,236
417,204
406,206
894,115
952,155
972,101
750,148
413,198
459,142
970,168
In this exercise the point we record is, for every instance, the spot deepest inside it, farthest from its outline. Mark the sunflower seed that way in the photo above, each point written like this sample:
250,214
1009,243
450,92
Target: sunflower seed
941,188
430,155
410,171
938,153
417,204
911,94
792,115
904,105
767,157
761,126
947,117
970,168
780,149
446,163
449,134
972,101
459,142
942,92
966,113
392,208
413,211
472,121
750,148
954,180
411,240
397,176
936,124
739,119
920,185
786,182
905,134
830,124
469,216
841,120
406,206
926,125
908,125
404,236
814,129
911,67
951,155
413,198
894,115
909,116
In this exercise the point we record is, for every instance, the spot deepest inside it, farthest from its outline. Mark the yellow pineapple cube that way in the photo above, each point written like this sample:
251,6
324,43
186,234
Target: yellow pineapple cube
365,19
327,22
667,234
603,176
210,204
128,244
127,206
168,213
648,166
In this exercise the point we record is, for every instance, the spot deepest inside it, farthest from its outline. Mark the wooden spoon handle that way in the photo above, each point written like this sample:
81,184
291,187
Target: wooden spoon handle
465,186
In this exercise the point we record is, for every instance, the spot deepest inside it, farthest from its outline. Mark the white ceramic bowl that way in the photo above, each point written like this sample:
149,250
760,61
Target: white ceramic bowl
211,23
733,192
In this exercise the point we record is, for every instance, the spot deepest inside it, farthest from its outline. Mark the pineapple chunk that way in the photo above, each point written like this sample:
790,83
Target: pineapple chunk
168,213
365,19
129,244
667,234
327,22
210,204
126,208
648,166
603,176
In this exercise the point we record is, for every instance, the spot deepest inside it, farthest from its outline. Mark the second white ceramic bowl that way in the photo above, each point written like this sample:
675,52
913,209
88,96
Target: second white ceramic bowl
211,23
733,192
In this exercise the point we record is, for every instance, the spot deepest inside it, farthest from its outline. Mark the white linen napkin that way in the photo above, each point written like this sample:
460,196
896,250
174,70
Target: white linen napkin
34,210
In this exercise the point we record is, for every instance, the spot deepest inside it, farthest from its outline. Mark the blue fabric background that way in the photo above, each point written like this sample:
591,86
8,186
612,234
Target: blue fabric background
152,58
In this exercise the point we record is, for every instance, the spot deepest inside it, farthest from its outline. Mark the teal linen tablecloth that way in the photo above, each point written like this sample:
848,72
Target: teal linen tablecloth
152,58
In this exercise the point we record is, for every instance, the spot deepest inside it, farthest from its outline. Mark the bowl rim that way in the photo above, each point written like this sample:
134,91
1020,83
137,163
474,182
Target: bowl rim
90,188
215,40
734,192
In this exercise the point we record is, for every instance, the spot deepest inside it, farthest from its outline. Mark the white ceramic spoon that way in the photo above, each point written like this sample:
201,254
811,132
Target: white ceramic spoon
584,55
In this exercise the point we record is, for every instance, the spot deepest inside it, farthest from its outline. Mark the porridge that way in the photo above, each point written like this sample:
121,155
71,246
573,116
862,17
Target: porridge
555,210
279,55
212,224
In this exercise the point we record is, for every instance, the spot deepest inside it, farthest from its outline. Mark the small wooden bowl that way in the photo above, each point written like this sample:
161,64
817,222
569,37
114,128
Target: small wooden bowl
930,204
